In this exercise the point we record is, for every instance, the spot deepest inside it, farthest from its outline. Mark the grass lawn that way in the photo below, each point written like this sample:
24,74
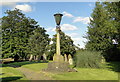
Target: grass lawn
11,74
36,66
82,74
88,74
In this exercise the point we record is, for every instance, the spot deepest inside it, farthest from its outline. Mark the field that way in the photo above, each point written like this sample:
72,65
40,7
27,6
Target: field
33,71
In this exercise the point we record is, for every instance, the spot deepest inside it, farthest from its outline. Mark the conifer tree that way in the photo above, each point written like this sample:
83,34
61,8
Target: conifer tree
38,43
16,29
104,27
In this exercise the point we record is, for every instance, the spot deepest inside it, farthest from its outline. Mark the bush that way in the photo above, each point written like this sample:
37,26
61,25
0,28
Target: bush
88,59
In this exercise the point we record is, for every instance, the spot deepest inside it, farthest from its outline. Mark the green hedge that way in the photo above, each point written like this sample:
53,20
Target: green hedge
88,59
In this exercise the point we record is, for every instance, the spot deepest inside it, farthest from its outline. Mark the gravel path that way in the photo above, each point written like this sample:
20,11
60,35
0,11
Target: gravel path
31,75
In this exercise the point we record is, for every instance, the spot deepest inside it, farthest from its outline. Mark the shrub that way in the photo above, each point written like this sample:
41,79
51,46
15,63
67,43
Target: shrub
88,59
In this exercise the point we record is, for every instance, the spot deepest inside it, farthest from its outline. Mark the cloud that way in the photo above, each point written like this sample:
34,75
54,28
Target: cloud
50,29
67,14
73,34
24,7
11,3
68,27
90,5
64,27
84,20
79,40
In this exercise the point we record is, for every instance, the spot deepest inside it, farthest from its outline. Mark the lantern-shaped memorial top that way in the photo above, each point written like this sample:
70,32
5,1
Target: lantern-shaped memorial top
58,18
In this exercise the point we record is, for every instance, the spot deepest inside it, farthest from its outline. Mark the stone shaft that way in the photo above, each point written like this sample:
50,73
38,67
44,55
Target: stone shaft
58,44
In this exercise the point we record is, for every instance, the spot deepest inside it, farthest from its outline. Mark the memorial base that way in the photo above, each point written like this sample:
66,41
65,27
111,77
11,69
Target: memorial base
57,67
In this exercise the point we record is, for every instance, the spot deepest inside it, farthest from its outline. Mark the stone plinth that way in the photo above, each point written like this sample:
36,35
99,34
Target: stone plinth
58,58
58,64
57,67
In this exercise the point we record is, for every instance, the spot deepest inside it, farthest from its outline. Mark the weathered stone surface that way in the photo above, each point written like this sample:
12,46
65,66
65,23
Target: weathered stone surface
103,60
65,58
58,66
31,57
44,57
69,56
70,59
58,58
58,44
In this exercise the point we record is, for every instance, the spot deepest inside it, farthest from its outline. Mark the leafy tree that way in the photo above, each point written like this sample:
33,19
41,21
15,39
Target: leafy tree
16,29
103,27
66,45
113,8
0,40
114,11
38,43
98,33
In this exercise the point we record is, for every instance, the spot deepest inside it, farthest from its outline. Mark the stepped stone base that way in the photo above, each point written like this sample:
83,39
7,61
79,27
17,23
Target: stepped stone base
57,67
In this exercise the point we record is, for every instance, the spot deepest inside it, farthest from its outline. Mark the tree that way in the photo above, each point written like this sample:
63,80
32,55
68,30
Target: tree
16,29
38,43
66,45
113,9
103,27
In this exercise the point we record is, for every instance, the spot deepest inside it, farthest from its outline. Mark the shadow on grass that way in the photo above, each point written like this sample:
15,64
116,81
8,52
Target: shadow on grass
115,66
19,64
7,79
2,73
119,76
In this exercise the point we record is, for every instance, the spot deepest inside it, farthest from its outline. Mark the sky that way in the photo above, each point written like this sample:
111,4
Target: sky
74,22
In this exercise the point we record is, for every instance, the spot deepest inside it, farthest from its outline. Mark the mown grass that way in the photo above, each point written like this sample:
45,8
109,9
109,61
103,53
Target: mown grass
88,74
11,74
82,74
18,64
36,66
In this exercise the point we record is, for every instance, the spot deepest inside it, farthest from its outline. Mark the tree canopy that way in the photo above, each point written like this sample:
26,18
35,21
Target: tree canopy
38,42
104,27
17,30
